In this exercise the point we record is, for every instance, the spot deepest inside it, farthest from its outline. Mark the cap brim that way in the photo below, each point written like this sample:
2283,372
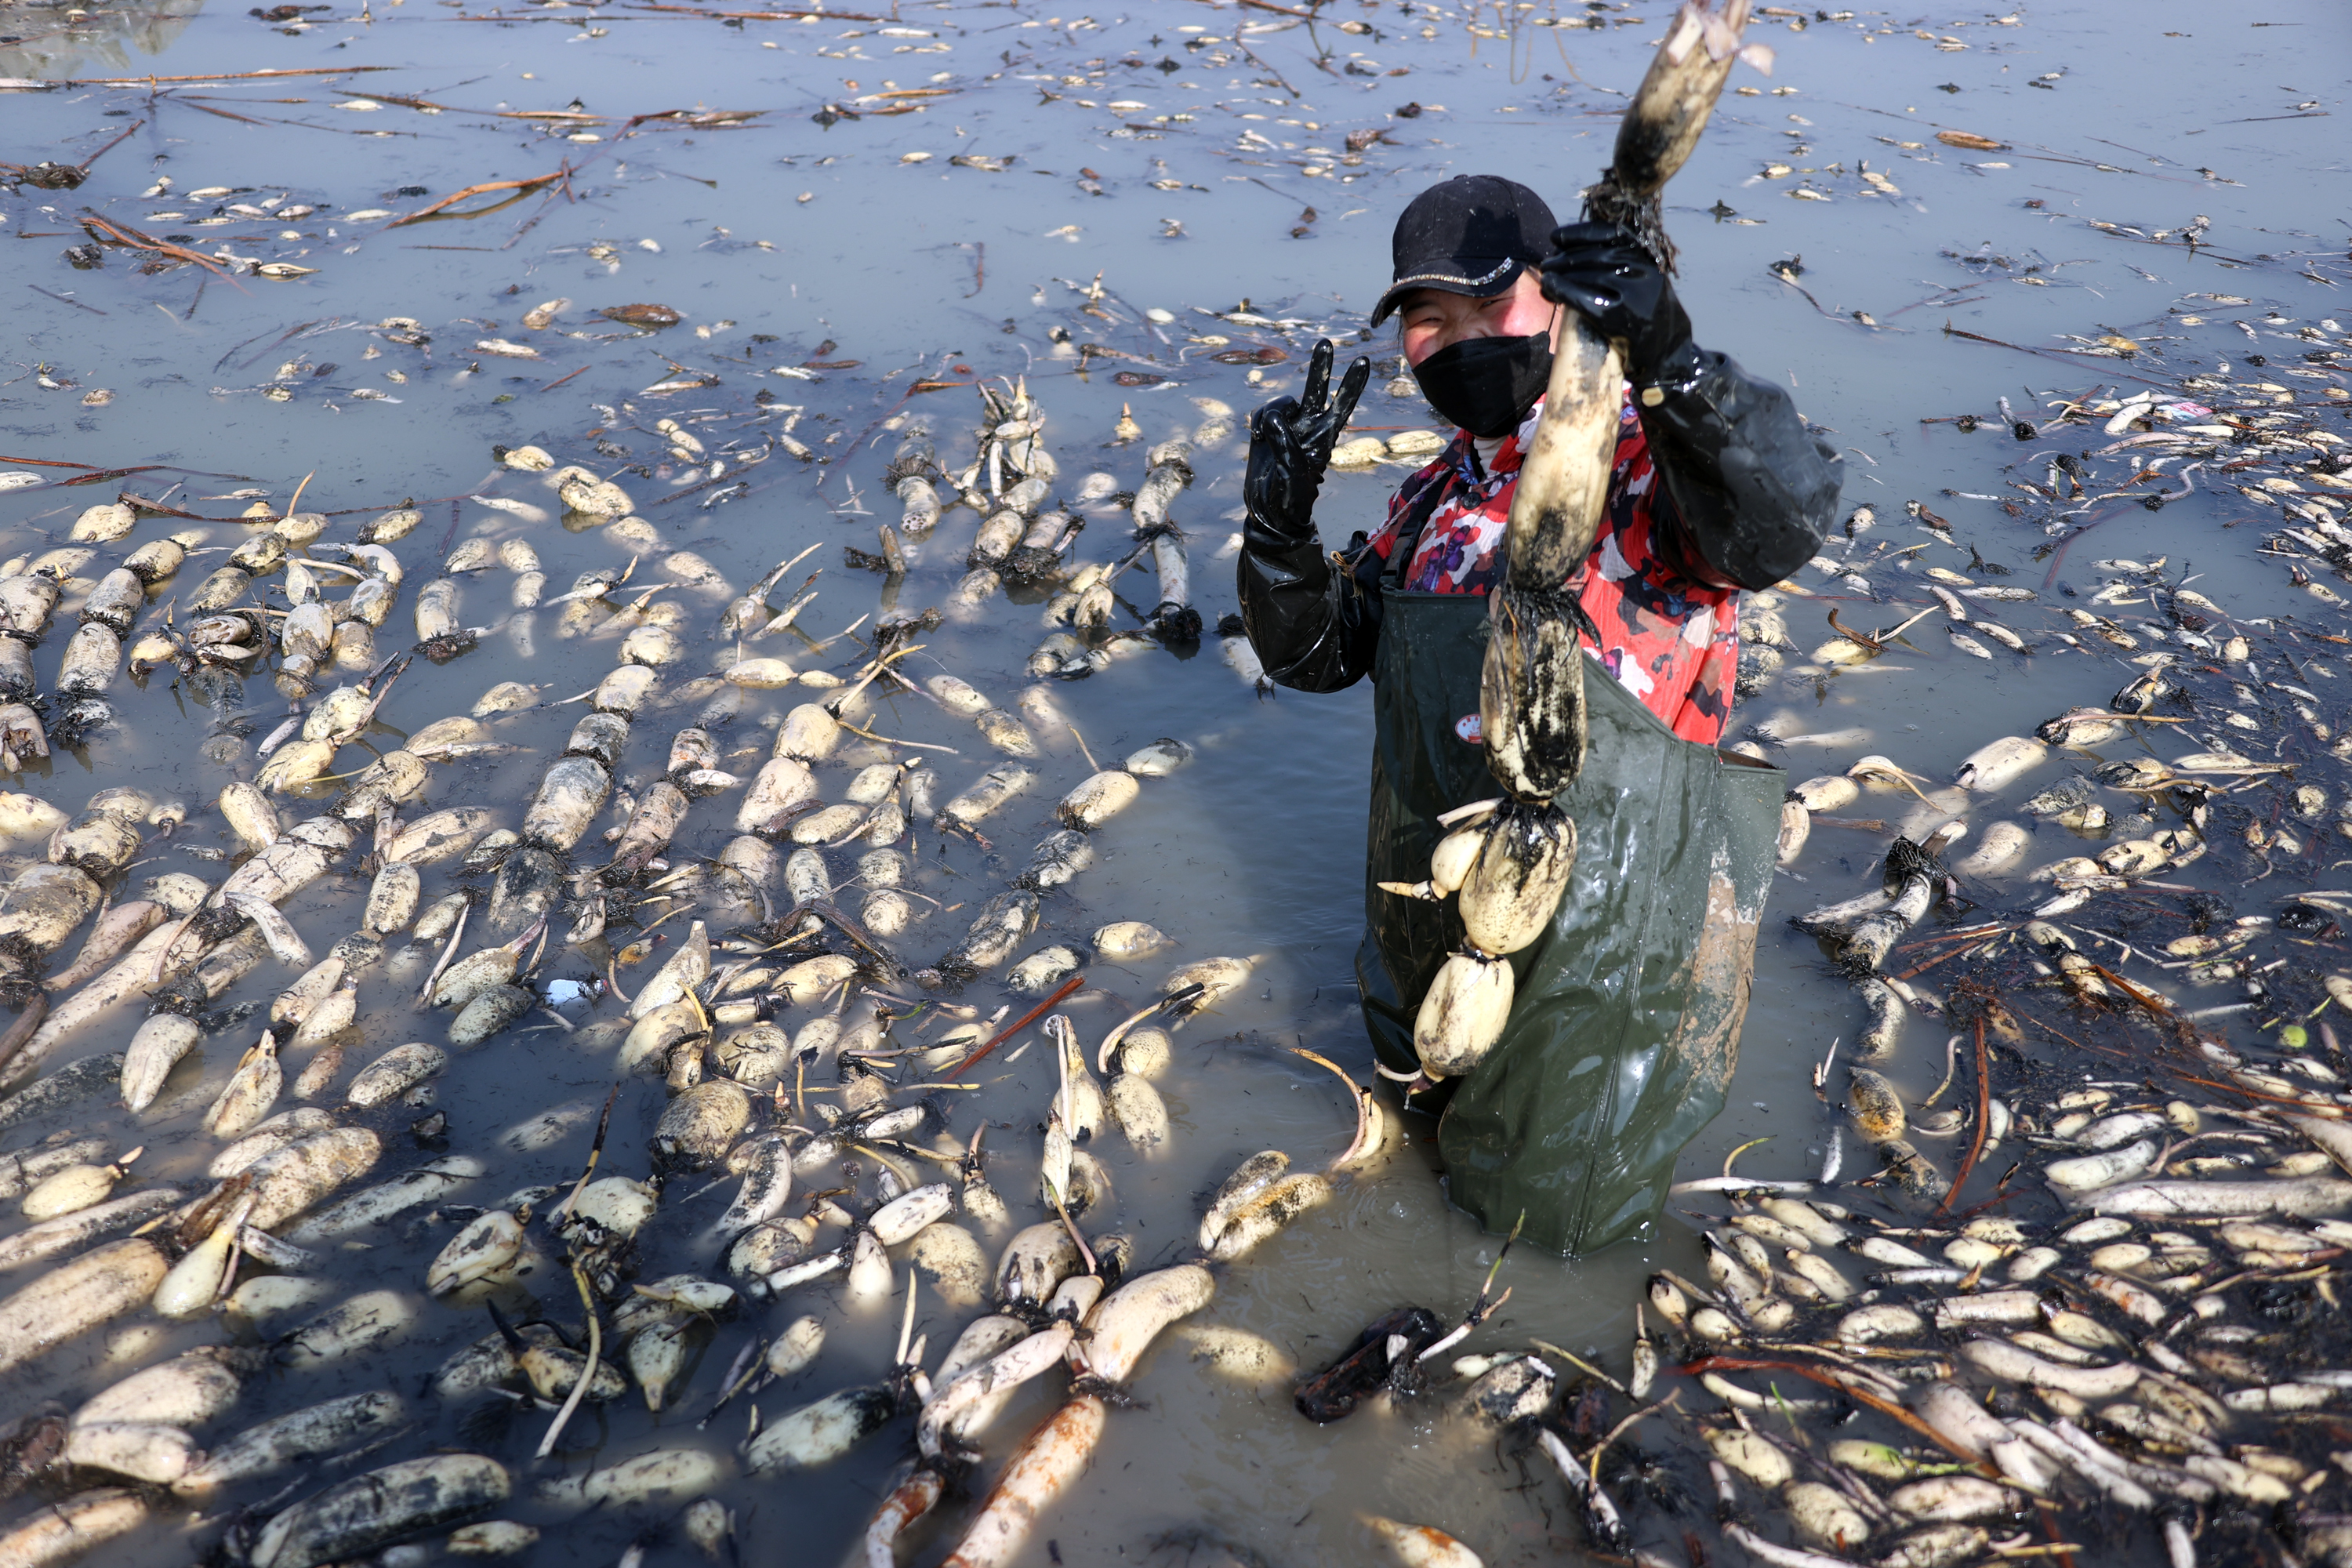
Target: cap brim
1451,278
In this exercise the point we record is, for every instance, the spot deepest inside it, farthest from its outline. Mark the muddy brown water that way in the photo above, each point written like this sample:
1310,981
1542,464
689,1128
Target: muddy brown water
1151,147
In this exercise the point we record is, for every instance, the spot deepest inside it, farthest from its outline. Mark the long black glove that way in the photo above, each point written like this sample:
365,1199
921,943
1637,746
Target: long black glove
1307,622
1608,275
1290,446
1755,493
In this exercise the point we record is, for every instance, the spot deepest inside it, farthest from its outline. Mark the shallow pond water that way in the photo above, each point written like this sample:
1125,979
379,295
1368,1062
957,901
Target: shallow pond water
906,205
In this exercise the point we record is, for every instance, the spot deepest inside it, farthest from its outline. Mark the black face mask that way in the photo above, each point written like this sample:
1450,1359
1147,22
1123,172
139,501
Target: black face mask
1487,385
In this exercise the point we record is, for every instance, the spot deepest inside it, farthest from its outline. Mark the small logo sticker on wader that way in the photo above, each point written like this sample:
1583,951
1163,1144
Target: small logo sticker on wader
1467,727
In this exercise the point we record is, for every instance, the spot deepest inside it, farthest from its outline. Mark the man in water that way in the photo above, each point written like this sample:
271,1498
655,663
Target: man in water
1627,1011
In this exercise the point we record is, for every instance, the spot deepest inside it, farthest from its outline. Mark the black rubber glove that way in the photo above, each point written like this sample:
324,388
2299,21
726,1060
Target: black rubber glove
1290,445
1604,271
1755,492
1314,627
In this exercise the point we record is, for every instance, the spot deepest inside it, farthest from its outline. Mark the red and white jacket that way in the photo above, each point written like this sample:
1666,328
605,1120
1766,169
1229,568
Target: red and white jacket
1669,630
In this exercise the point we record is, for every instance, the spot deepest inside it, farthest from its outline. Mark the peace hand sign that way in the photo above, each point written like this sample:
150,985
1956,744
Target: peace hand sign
1290,445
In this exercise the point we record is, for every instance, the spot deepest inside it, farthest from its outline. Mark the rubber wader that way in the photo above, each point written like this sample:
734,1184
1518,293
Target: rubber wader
1626,1023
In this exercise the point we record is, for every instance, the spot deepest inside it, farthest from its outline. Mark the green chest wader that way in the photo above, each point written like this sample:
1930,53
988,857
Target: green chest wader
1626,1023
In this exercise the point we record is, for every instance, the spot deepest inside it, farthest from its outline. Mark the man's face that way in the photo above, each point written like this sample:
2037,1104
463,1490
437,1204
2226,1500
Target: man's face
1431,318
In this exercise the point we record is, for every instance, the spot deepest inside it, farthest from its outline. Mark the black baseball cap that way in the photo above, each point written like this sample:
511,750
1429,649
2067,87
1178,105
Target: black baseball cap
1471,234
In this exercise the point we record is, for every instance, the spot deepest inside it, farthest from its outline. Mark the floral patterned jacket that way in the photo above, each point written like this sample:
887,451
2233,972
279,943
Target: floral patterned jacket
1669,628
